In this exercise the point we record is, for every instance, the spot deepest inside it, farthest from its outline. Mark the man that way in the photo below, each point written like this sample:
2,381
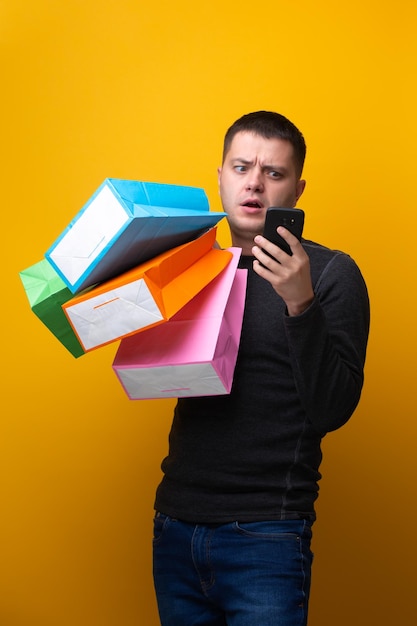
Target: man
236,504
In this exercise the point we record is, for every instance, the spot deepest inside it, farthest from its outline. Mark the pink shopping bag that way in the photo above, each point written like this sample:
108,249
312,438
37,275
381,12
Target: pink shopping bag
194,353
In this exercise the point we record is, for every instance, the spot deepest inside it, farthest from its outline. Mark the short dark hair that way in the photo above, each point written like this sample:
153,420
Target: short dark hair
269,125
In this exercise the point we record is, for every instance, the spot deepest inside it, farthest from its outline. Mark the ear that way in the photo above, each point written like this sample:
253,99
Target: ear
301,185
219,174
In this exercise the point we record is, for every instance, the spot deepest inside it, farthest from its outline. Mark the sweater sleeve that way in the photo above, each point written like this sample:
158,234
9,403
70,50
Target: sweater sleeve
328,342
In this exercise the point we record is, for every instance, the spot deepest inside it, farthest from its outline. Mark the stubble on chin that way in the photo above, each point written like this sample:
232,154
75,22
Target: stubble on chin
244,231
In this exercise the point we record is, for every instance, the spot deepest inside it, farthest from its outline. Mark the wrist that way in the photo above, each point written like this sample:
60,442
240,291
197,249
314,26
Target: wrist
294,309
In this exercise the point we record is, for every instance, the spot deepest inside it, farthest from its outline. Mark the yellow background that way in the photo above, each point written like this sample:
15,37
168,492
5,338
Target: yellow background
123,88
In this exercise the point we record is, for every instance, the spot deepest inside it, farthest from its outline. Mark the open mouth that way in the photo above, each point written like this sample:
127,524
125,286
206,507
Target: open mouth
252,204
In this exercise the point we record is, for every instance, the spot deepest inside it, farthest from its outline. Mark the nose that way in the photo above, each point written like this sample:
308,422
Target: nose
254,181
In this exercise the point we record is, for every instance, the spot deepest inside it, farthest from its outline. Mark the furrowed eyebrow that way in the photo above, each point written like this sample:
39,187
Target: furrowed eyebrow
268,167
275,168
240,161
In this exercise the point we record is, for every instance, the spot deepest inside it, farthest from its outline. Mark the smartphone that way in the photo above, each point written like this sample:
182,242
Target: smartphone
292,219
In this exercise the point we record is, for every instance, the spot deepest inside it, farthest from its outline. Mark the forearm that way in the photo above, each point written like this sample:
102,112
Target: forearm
329,381
327,346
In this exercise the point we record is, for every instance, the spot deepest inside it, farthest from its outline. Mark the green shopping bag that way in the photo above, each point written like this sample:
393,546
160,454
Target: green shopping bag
46,293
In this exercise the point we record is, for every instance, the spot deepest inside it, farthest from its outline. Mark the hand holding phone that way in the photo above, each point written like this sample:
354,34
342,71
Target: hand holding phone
291,219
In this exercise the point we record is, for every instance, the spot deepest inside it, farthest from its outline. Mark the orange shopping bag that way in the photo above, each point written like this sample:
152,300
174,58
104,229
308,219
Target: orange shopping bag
146,295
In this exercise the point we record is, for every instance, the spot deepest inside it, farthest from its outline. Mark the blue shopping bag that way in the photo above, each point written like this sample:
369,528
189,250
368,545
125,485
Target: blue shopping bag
126,223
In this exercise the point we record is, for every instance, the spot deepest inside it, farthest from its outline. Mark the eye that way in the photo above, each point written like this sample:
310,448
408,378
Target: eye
240,168
274,174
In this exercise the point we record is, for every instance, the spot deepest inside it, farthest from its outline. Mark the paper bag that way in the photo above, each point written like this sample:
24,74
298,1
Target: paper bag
194,353
46,293
126,223
147,295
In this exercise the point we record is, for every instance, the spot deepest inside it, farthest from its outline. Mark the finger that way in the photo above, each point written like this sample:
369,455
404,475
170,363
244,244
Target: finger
289,238
271,249
266,260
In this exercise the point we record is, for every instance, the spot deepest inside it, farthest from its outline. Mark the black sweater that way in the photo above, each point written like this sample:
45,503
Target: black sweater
255,454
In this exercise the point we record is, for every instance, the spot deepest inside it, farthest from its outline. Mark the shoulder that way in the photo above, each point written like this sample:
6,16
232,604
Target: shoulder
330,264
319,253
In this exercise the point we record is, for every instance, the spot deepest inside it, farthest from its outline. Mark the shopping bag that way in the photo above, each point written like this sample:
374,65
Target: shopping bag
126,223
194,353
146,295
46,293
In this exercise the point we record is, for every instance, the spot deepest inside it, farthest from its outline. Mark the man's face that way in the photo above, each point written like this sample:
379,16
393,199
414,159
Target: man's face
257,173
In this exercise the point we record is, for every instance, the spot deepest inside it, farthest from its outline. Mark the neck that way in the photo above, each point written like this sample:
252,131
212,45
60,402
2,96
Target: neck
246,243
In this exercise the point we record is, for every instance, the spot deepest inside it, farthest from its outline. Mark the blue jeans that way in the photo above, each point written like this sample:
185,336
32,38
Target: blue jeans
236,574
